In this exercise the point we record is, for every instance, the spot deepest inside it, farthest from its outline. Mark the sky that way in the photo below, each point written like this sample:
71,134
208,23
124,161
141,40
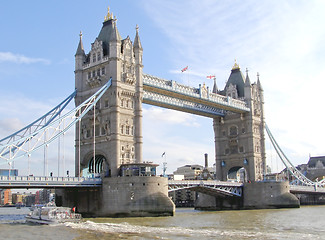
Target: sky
281,40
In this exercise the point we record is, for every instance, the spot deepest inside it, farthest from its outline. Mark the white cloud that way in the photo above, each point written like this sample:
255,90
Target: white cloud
19,111
280,39
170,116
18,58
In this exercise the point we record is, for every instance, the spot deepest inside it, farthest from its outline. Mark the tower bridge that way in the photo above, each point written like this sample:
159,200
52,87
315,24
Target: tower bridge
110,90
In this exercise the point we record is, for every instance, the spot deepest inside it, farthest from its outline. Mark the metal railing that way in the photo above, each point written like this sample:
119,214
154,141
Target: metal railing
47,182
172,86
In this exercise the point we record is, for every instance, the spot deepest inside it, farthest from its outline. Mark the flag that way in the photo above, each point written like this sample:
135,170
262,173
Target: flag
184,69
163,154
211,76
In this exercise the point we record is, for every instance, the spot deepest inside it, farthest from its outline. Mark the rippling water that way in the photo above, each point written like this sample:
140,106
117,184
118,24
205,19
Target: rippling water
302,223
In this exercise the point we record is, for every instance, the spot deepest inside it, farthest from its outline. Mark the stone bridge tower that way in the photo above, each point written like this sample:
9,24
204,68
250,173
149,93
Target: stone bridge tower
118,114
239,138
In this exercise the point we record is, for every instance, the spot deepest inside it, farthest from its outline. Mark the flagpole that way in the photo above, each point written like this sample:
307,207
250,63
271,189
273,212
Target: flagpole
183,70
188,79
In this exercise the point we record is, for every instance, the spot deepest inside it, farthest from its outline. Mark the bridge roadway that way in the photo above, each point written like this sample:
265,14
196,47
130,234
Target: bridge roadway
48,182
211,187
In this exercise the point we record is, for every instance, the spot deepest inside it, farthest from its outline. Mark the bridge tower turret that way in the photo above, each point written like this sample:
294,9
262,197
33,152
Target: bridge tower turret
138,52
80,58
239,138
118,114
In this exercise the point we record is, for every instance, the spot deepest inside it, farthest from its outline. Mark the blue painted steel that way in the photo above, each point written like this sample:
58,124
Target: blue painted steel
197,109
87,105
289,165
59,107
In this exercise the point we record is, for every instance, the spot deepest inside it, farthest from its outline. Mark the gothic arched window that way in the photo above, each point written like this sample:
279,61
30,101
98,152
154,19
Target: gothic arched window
233,131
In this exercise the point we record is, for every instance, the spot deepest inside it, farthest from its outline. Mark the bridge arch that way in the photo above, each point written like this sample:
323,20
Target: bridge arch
238,174
102,165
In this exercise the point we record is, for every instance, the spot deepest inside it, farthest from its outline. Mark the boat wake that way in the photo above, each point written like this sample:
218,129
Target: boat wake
149,232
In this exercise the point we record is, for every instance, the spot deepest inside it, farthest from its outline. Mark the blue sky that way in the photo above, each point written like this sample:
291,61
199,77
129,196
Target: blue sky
282,40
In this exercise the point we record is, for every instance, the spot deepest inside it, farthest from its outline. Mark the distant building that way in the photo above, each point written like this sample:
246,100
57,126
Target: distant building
313,170
5,172
190,172
6,197
43,196
316,162
186,197
183,198
30,200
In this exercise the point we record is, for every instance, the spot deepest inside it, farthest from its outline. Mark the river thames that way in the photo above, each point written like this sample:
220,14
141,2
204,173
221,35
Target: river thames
307,222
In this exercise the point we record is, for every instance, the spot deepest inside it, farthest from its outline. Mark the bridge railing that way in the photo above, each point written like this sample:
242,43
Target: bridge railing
30,179
205,182
311,189
171,85
152,96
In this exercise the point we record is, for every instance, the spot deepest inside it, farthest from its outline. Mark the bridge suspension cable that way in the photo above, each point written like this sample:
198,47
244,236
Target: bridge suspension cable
14,146
19,136
289,166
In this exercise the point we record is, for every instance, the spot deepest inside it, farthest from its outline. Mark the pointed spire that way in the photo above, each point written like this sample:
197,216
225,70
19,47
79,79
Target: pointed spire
247,81
109,15
80,49
258,82
215,88
115,35
137,42
236,66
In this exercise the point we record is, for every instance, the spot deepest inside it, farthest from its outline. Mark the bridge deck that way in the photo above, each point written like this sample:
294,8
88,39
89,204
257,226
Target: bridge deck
67,182
306,189
48,182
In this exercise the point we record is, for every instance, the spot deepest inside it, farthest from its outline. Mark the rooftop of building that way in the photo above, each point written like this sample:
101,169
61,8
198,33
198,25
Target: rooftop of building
314,161
236,78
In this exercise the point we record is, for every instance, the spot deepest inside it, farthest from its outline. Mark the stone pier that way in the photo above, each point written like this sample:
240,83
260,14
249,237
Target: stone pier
256,195
134,196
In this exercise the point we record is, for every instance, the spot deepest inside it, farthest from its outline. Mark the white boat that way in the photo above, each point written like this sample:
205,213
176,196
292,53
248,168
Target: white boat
50,214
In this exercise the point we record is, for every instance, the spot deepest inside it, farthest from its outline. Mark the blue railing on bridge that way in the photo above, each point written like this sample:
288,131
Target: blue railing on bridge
47,182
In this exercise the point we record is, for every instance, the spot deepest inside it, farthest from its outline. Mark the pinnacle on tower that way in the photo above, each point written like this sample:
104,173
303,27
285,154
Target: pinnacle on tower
258,82
80,49
215,88
236,66
115,35
109,16
247,81
137,42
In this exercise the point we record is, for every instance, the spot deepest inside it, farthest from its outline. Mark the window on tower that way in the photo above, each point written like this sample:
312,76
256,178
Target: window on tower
106,103
97,130
88,133
98,56
94,57
233,131
103,130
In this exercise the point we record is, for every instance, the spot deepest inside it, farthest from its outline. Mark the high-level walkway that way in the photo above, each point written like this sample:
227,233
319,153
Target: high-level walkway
200,101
